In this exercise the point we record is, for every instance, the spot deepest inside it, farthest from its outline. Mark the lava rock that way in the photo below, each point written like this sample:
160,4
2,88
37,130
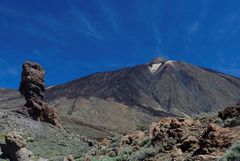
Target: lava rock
32,87
214,137
230,112
15,148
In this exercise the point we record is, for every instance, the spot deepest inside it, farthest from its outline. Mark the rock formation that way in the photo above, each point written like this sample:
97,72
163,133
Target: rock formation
69,158
15,148
175,139
132,136
230,112
32,87
177,130
215,138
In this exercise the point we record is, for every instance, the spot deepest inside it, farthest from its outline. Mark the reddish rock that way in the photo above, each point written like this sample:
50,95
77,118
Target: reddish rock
230,112
32,87
15,148
130,138
215,137
176,128
189,143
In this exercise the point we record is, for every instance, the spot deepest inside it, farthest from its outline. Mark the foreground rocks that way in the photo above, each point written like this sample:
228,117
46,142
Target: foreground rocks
15,148
69,158
215,138
231,116
43,139
230,112
32,87
172,139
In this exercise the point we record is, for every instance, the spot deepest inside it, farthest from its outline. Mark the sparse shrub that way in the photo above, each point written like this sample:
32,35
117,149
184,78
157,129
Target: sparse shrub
212,149
171,143
140,155
142,127
144,153
2,137
36,157
145,141
126,150
233,154
232,122
219,121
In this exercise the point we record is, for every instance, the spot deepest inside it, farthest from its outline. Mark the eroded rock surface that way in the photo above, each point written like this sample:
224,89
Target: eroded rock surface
69,158
215,138
32,88
175,139
230,112
15,148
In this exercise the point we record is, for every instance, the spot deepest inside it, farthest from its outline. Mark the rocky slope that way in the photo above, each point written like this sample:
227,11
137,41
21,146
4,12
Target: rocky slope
203,138
140,94
144,93
43,139
157,87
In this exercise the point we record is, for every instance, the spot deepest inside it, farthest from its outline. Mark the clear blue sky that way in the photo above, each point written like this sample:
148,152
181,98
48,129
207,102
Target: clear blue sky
74,38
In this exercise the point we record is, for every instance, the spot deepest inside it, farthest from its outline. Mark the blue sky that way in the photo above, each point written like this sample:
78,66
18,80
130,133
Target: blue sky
74,38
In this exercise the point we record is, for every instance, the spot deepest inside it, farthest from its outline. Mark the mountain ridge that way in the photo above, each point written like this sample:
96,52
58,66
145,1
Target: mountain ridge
126,98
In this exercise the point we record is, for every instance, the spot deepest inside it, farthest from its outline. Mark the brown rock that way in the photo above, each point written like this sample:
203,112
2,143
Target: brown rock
176,152
189,143
207,158
105,142
69,158
169,128
230,112
214,137
15,148
32,87
15,141
130,138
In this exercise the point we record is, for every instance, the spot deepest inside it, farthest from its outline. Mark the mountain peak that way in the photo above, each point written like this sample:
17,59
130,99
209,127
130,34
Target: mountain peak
157,63
157,60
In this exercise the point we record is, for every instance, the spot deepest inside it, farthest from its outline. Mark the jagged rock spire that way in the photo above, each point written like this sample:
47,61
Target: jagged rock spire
32,87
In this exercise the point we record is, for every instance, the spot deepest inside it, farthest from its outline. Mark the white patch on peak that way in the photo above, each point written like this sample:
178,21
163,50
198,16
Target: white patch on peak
50,87
170,61
154,67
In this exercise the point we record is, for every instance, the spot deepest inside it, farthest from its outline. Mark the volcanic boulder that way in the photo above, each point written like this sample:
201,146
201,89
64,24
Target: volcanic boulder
32,87
132,137
15,148
215,137
230,112
175,129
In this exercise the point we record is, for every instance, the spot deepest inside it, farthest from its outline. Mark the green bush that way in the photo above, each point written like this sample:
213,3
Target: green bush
2,137
142,127
219,121
233,154
140,155
232,122
145,141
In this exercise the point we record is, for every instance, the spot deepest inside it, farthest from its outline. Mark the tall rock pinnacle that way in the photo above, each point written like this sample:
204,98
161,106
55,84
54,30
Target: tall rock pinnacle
32,88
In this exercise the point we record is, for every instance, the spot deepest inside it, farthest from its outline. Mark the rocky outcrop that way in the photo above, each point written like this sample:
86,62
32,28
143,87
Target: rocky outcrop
32,88
132,137
69,158
231,116
230,112
15,148
176,139
215,139
170,130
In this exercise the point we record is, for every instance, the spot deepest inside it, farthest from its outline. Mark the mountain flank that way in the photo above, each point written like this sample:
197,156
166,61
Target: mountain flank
133,97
